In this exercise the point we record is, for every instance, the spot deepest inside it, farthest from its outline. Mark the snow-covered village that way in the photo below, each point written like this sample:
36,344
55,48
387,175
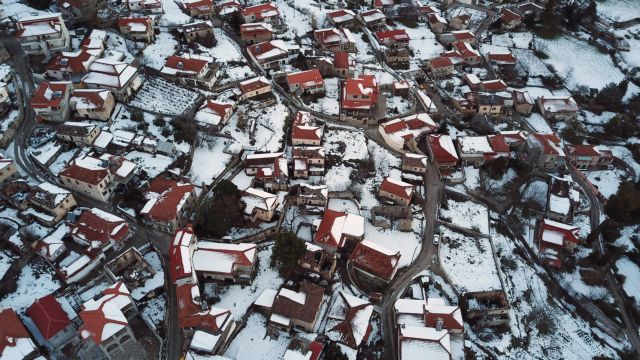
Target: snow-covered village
319,179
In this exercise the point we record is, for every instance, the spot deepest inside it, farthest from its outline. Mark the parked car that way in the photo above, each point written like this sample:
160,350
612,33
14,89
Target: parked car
436,239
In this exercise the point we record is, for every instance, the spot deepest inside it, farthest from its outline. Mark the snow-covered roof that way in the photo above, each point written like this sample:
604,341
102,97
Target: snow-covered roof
223,258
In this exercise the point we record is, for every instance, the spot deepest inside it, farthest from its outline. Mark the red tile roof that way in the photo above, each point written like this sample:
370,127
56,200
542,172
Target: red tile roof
91,96
169,195
502,58
550,143
341,60
124,22
364,85
253,84
48,316
324,234
375,259
186,64
306,78
441,62
49,94
261,11
508,16
392,35
255,28
397,188
443,149
84,174
178,257
463,35
493,85
192,316
498,143
446,314
11,329
569,232
76,62
583,150
96,320
199,5
306,132
220,108
97,225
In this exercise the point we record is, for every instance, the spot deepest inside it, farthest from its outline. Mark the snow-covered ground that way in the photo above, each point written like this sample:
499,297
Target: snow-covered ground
36,280
155,55
153,164
618,10
538,123
607,181
209,160
154,310
348,144
160,96
631,272
467,214
329,104
252,341
6,259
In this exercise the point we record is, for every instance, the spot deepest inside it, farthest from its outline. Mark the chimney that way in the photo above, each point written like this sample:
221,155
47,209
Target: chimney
439,324
180,65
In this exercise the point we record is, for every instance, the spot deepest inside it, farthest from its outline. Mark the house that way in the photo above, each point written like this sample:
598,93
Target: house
531,9
301,308
478,149
117,76
554,238
52,200
395,39
303,348
522,102
460,21
306,82
106,320
318,261
50,100
466,51
52,322
90,177
16,342
78,11
501,60
343,64
255,33
199,9
375,261
94,43
43,34
418,11
588,156
335,40
69,65
419,342
311,195
255,162
373,19
213,115
342,18
436,22
442,151
454,37
405,131
122,169
509,19
440,66
96,104
387,6
561,199
191,70
227,8
169,203
259,205
209,328
267,12
145,6
306,134
558,108
396,191
308,161
338,229
254,87
100,230
181,257
544,151
137,28
275,177
359,99
401,88
415,163
487,103
270,54
78,133
438,315
496,85
197,31
349,320
225,262
8,170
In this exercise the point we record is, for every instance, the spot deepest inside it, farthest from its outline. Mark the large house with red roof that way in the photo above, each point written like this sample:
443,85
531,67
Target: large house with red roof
440,66
442,152
117,76
42,34
589,156
254,33
349,320
405,131
337,230
50,100
343,64
70,65
199,9
137,28
96,104
213,115
335,40
509,19
267,12
306,82
397,191
51,321
191,70
106,320
181,257
304,132
169,203
90,177
145,6
15,341
501,60
558,108
375,261
99,230
395,39
254,87
373,19
359,100
451,38
554,239
269,54
225,262
544,150
342,18
478,149
429,312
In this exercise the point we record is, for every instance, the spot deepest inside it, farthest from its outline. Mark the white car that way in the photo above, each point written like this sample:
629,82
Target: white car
436,239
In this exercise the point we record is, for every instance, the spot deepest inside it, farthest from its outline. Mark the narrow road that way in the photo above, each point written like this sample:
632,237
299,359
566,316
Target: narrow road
433,188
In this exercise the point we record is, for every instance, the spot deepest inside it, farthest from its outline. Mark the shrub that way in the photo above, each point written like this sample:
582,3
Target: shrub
137,115
184,130
624,206
218,214
286,252
159,121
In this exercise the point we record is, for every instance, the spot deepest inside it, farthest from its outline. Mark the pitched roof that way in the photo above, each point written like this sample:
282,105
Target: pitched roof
583,150
180,265
261,11
89,98
48,316
375,259
258,27
502,58
302,305
74,62
306,132
336,225
348,320
442,148
305,78
253,84
135,24
341,15
166,198
508,16
398,188
363,85
392,35
441,62
186,63
103,317
14,338
97,225
49,94
558,233
85,170
212,257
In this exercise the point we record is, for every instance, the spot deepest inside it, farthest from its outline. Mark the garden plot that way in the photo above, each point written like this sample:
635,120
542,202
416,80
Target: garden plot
607,181
156,54
624,154
238,298
466,214
329,104
209,160
298,24
252,341
121,120
540,326
529,64
235,73
585,67
158,95
226,50
364,53
338,178
468,262
398,105
36,280
268,124
347,144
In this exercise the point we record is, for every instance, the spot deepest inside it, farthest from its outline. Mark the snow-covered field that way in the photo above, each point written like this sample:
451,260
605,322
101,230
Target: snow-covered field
538,123
35,281
631,272
348,144
155,55
607,181
618,10
329,104
252,341
467,214
160,96
209,160
152,164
